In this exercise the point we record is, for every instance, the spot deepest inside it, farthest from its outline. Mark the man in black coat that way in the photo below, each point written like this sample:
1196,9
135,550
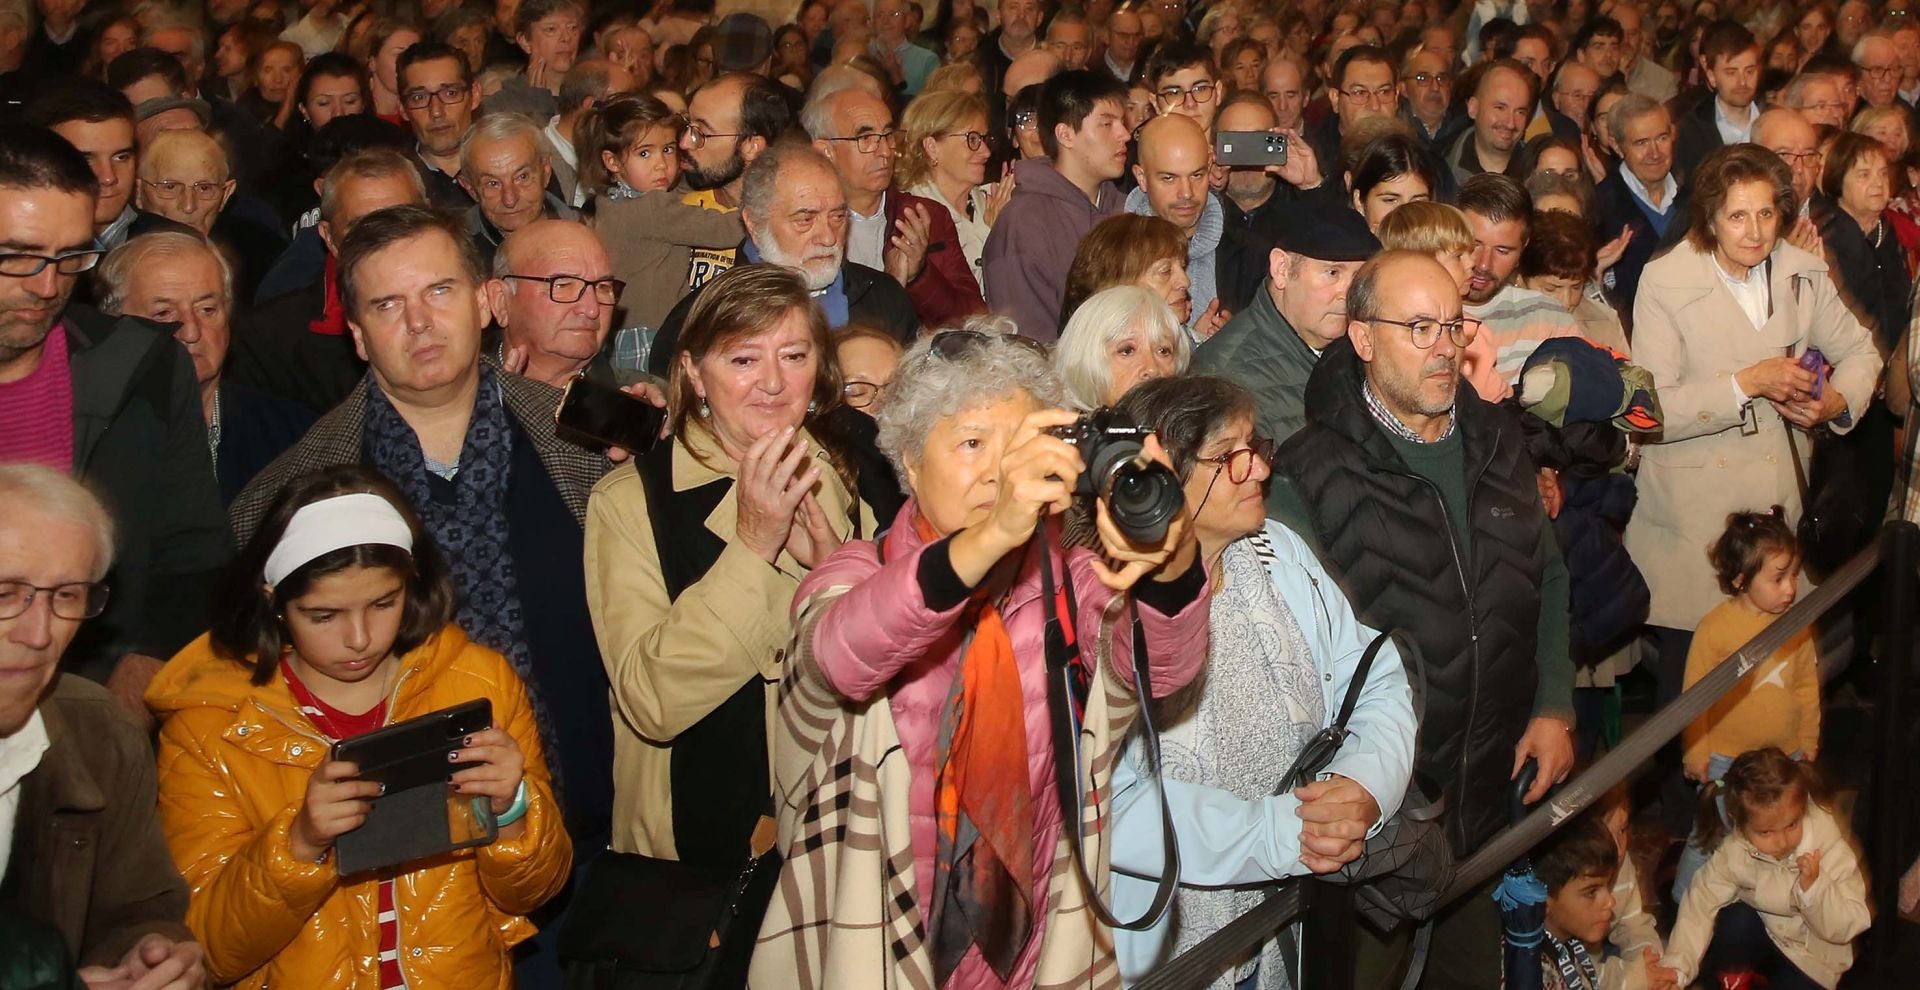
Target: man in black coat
1422,502
795,210
1732,57
132,428
1642,194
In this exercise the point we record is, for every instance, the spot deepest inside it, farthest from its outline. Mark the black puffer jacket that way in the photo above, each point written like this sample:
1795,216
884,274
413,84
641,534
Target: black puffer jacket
1466,605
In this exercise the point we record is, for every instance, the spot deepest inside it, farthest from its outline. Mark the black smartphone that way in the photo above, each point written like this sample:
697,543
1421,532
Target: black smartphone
596,415
418,815
1250,149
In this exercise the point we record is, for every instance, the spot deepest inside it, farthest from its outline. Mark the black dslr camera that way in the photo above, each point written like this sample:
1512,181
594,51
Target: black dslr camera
1142,495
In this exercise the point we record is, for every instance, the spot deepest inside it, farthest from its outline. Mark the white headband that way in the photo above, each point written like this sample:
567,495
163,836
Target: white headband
334,524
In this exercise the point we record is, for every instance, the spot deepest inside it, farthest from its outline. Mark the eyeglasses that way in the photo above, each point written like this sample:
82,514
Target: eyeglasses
1793,158
974,138
66,262
1023,118
1363,95
417,99
79,600
1239,463
1433,78
1200,92
1426,332
860,395
170,189
569,288
871,141
698,136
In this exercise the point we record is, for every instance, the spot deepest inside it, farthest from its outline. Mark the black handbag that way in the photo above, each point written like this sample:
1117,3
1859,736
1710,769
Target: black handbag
642,923
1838,516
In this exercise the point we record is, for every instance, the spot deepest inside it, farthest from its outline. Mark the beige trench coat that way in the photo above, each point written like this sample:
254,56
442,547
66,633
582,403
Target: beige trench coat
1690,332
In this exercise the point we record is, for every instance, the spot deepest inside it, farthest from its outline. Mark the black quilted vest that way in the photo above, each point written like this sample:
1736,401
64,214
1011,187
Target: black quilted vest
1466,610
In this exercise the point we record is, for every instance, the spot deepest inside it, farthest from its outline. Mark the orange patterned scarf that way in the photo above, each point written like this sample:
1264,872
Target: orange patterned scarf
983,806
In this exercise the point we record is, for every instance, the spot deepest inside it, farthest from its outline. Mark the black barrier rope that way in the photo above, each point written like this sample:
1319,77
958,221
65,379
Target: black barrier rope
1203,963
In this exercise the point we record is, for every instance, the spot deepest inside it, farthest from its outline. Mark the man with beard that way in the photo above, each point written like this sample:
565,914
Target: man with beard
110,401
1426,86
1422,503
795,210
1732,58
1500,108
730,122
1515,319
1641,193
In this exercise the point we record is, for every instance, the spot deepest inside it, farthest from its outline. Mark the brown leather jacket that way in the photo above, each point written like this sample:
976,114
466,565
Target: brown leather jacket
88,856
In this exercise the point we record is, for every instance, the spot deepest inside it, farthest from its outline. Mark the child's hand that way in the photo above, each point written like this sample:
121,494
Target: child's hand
1809,868
493,767
1659,977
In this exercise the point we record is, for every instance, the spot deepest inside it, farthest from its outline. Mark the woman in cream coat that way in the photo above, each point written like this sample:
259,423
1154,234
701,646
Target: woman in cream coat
1721,321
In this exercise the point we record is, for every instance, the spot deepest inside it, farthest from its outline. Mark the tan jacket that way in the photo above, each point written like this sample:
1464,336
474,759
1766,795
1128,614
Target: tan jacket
671,663
1814,928
1690,332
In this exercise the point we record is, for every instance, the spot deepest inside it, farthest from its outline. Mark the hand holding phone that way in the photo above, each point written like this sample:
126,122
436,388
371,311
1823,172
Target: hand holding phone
1250,149
595,415
1816,362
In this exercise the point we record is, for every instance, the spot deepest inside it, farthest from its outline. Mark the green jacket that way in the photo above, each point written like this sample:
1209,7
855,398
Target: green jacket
1259,349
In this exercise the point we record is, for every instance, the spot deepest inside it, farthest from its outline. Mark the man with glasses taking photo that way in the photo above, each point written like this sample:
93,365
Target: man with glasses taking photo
908,237
113,402
439,97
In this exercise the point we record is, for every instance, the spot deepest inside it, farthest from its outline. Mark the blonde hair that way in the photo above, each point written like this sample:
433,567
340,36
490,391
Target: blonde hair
951,78
932,115
1426,227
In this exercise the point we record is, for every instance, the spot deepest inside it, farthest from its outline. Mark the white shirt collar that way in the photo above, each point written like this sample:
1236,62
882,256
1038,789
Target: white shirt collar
1668,187
20,753
1732,131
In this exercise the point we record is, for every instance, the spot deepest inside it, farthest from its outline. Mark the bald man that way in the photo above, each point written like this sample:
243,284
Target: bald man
1380,473
1573,91
1030,69
910,238
184,176
1171,179
1500,108
1284,85
541,332
1790,135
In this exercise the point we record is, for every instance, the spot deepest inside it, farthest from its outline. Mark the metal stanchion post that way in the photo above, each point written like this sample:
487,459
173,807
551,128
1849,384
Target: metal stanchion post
1900,555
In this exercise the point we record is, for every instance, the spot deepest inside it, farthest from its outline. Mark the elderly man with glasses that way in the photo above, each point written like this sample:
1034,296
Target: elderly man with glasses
184,177
112,402
908,237
553,297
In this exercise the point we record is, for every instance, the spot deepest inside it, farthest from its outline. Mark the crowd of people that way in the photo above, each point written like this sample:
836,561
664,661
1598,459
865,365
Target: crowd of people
1089,463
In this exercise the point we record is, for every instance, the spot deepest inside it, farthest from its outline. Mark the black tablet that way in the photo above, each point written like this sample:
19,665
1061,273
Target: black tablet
420,815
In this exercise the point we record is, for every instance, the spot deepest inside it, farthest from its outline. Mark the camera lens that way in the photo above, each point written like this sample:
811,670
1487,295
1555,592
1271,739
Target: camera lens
1143,500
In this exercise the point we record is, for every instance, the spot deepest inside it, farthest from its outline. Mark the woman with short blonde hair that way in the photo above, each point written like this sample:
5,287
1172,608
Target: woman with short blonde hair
943,157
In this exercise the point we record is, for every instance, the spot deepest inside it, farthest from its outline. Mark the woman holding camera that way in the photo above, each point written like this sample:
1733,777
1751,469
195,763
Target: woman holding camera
916,724
1285,650
337,620
693,555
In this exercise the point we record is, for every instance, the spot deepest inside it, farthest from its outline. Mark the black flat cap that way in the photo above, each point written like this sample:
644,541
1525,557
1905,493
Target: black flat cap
1328,230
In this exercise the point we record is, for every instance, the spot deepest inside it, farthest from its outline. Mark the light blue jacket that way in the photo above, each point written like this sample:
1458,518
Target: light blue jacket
1225,841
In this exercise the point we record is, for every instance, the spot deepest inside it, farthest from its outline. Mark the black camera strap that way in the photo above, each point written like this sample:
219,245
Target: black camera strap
1069,679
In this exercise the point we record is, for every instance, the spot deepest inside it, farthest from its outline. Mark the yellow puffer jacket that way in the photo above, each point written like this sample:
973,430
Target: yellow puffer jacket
234,763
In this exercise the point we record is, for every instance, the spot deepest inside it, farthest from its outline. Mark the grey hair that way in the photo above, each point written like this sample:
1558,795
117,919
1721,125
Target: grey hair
929,387
32,488
367,163
1081,358
762,180
502,127
816,118
993,323
1631,107
116,270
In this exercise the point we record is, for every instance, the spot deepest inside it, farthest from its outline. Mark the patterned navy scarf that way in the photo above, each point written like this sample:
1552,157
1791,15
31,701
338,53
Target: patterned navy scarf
471,530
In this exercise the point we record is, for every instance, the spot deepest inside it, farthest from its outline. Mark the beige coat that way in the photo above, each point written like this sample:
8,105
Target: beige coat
671,663
1814,928
1690,332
